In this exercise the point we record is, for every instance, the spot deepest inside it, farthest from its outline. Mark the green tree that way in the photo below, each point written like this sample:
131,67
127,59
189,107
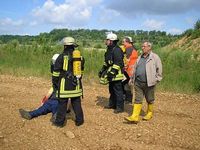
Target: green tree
197,25
188,32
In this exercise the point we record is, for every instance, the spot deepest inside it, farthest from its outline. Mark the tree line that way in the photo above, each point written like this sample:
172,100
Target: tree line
95,38
90,38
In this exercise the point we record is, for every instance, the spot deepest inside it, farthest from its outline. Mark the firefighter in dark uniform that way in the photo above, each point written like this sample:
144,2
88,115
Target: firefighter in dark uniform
67,84
112,72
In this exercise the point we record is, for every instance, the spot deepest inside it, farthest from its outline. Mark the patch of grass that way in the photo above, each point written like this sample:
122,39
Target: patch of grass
181,73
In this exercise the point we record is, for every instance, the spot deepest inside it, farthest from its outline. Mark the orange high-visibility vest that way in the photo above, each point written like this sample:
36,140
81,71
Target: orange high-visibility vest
131,62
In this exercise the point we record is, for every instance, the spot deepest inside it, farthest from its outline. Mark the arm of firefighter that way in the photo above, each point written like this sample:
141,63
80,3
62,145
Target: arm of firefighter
55,79
111,74
117,61
103,68
56,72
115,69
118,57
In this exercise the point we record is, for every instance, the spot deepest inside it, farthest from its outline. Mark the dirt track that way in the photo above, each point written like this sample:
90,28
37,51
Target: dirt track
176,122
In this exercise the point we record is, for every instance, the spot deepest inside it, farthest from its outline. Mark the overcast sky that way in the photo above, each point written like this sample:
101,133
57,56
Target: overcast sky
35,16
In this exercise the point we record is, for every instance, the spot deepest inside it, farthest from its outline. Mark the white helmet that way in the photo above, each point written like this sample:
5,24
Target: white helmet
69,41
55,56
112,37
130,39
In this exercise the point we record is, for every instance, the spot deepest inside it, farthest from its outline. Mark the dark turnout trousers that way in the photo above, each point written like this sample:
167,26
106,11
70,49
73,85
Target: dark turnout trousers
62,110
116,95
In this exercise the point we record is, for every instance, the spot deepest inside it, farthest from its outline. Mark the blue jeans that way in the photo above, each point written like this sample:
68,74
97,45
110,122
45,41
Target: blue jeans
49,106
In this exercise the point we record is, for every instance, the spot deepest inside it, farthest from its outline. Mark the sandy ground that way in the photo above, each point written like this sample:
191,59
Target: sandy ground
175,125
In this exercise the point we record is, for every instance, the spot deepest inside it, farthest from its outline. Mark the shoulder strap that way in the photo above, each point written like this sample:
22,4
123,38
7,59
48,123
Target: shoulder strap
65,62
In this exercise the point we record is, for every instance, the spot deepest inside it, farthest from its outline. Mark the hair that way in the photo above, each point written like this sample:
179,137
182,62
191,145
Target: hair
127,39
148,43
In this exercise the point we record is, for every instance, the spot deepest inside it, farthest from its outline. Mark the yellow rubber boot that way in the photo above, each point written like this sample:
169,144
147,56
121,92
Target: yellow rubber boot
134,118
149,114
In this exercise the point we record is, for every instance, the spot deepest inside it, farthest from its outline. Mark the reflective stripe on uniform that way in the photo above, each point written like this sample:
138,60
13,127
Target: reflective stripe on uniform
116,67
55,74
69,93
110,62
103,80
119,76
105,64
65,63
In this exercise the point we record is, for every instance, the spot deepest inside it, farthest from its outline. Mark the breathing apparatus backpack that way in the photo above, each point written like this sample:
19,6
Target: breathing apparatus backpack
76,55
70,83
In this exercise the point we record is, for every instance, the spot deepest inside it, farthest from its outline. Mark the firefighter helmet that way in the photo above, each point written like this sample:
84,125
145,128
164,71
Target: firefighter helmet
69,41
112,37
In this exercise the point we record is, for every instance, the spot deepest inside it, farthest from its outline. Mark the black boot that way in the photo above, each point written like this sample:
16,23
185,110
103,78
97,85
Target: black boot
118,110
79,123
25,114
53,118
109,107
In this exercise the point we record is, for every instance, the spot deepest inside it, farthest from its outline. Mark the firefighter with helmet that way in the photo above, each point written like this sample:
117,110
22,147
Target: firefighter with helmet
112,72
66,79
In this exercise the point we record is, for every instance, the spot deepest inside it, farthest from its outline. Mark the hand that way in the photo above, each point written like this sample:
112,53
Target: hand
44,99
130,82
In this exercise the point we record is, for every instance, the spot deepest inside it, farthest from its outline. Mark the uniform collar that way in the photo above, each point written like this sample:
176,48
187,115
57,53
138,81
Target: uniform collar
68,51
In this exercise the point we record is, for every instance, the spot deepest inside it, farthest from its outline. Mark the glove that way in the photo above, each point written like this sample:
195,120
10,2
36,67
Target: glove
110,76
103,69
